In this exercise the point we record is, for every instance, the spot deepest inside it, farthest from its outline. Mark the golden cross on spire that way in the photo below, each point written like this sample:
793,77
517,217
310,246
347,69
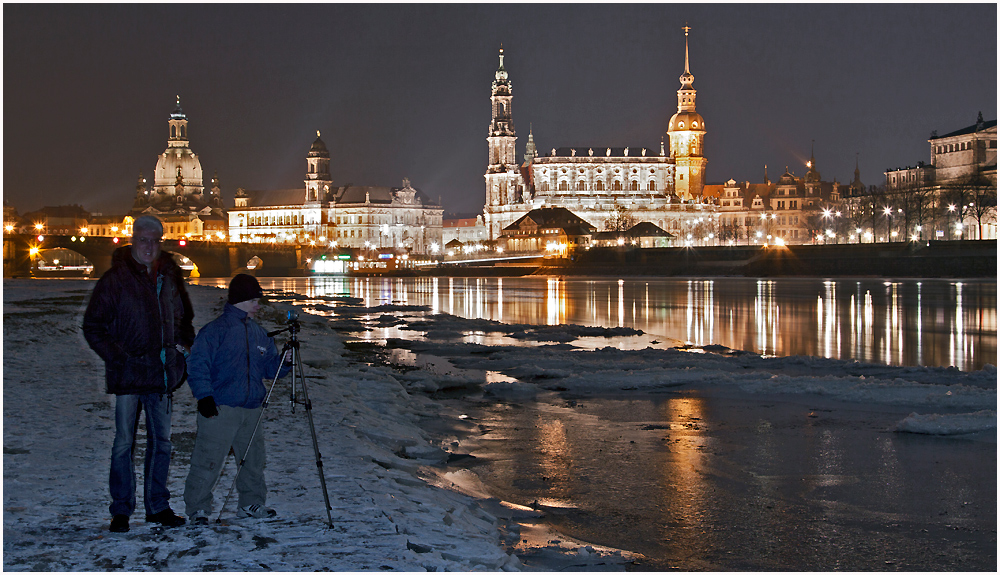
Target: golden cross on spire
686,29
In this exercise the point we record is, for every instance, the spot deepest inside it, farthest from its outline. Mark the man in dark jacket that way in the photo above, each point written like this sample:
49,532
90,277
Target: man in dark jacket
139,322
229,361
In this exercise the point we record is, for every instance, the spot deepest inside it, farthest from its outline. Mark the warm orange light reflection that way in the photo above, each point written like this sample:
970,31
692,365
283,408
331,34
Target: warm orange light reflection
687,496
890,322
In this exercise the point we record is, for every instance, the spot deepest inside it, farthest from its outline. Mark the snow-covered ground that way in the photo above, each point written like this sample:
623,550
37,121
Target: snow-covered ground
383,471
58,427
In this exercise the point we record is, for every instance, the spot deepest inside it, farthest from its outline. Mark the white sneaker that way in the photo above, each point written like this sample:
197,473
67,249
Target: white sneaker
256,511
199,517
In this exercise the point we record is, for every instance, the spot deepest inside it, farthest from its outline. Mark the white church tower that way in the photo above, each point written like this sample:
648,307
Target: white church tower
503,180
318,177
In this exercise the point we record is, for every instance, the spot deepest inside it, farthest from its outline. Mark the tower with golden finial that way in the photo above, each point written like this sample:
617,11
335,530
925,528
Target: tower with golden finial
687,134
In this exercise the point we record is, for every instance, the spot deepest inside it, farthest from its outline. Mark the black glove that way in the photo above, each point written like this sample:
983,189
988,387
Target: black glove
206,407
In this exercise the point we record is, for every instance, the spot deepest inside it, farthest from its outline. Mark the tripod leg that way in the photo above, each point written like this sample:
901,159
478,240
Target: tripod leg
239,464
312,430
296,370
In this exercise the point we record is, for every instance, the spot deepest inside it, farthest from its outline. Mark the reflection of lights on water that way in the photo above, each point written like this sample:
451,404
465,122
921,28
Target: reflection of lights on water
553,302
767,315
499,299
957,340
700,312
684,467
621,303
690,310
920,324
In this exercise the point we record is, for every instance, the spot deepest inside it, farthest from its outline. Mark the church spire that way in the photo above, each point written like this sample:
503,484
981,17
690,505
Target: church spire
813,174
687,78
529,149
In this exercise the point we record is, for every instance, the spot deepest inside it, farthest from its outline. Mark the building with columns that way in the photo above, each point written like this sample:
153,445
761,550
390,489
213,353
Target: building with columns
178,195
599,184
399,219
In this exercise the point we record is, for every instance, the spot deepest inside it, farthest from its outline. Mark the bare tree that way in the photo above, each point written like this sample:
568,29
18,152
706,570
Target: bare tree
982,205
732,230
621,219
814,224
866,211
917,202
954,206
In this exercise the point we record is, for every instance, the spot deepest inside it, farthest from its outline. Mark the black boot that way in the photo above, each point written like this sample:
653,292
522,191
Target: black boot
119,524
166,518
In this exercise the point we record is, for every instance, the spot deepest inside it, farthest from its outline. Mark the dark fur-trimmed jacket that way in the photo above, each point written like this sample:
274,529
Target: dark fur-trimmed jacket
134,321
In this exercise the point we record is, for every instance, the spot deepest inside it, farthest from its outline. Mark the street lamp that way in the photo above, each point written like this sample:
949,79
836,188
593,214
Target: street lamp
887,211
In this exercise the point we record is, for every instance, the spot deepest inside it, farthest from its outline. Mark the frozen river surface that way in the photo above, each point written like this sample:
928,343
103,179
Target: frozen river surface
695,481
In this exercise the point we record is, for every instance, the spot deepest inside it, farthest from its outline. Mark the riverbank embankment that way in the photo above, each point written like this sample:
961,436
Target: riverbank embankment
928,259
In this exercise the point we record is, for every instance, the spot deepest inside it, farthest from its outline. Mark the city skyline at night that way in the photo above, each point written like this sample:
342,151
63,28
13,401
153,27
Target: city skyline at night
403,91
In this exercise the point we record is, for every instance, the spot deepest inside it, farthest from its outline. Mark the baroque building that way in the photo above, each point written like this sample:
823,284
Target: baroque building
791,210
598,184
178,195
367,218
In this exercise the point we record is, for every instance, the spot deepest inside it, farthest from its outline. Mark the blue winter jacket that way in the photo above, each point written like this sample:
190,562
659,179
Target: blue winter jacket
230,358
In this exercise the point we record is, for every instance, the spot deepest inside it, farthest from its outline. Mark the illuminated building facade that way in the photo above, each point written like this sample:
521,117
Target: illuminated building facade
401,219
465,230
953,197
792,210
556,231
598,183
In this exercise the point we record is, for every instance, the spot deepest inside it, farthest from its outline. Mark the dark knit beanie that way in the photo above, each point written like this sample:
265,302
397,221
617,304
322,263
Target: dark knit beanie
244,287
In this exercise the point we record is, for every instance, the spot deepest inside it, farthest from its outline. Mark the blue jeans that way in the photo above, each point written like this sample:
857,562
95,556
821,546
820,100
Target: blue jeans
156,497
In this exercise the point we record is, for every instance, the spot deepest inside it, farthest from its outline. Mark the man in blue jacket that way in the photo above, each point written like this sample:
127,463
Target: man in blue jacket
230,358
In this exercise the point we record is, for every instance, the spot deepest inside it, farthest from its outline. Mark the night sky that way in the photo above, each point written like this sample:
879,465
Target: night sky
403,91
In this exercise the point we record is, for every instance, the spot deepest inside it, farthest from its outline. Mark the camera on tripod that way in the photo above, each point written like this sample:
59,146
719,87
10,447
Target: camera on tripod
292,320
291,323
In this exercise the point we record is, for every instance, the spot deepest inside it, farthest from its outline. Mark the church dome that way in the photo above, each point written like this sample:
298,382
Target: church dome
318,149
176,162
684,121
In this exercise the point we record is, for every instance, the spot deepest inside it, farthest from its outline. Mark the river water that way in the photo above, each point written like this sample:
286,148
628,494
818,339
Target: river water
908,322
727,481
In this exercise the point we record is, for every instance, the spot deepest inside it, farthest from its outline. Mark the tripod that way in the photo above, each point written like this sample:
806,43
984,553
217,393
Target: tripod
298,380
